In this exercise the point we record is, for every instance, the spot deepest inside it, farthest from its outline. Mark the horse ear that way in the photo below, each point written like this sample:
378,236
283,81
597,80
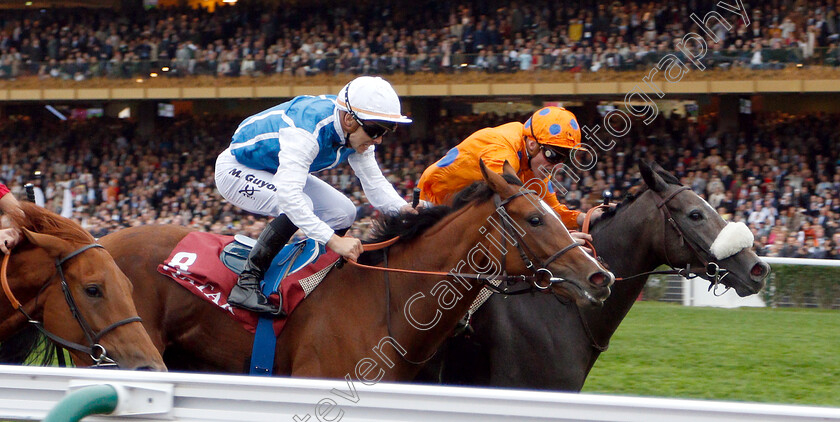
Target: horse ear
54,246
496,182
653,180
507,168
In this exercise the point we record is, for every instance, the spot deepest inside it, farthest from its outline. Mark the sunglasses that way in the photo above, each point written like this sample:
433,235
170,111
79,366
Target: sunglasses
375,129
553,156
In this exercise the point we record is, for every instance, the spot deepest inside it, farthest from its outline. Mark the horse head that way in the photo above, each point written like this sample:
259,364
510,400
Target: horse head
544,243
85,299
696,235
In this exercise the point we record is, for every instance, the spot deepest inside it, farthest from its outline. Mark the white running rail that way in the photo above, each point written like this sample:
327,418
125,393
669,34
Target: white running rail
28,393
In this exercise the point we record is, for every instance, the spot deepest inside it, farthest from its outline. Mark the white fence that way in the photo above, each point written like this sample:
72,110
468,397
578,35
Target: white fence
28,393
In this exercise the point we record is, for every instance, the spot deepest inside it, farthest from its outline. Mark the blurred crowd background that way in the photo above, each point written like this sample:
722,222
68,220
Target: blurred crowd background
784,183
250,39
780,175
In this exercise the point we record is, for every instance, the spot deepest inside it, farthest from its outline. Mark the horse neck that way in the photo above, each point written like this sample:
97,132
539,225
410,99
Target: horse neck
630,244
442,250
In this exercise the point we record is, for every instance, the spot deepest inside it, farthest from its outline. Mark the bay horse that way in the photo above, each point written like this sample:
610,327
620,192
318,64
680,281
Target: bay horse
356,313
59,279
543,342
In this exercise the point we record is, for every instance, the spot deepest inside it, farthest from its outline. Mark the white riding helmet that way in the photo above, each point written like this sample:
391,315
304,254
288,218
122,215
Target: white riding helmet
371,98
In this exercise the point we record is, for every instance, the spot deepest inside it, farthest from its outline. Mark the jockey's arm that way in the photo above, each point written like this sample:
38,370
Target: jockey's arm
8,202
378,190
297,152
9,236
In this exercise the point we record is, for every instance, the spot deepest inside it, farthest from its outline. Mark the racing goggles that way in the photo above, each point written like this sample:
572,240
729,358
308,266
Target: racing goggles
376,129
553,155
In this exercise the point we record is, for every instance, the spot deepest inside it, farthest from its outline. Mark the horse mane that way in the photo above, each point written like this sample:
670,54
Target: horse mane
633,193
41,220
409,226
28,346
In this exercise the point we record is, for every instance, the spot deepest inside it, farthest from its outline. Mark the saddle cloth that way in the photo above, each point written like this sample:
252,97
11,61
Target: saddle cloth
197,264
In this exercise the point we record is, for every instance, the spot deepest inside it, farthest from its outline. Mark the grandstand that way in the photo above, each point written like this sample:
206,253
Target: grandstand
150,94
116,110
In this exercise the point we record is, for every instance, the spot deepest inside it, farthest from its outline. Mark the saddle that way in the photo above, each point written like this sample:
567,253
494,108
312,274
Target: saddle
291,259
208,265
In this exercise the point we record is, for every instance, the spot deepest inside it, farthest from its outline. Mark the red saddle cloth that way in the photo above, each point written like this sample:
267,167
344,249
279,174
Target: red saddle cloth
195,265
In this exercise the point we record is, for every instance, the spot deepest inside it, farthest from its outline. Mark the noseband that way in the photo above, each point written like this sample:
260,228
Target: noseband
713,270
96,351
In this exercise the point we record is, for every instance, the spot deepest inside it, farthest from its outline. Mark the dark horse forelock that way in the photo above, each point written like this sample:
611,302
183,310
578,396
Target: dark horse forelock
41,220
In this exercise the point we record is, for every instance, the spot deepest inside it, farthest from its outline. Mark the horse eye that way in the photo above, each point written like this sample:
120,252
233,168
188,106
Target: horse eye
695,215
93,291
535,221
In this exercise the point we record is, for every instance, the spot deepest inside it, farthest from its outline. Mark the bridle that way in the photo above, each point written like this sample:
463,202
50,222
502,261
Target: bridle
525,252
542,278
713,270
96,351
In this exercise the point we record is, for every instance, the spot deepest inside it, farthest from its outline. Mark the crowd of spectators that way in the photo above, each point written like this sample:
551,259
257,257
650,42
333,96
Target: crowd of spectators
250,39
781,177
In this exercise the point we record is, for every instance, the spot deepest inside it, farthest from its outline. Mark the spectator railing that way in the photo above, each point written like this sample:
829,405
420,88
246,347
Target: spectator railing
130,65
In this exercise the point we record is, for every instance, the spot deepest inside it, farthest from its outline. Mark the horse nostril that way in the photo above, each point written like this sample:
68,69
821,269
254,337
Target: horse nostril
760,270
598,279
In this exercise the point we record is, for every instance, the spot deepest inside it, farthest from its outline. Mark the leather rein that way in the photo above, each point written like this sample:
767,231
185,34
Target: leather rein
542,279
96,351
540,274
713,270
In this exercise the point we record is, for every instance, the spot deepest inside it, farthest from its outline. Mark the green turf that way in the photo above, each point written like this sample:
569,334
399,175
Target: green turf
750,354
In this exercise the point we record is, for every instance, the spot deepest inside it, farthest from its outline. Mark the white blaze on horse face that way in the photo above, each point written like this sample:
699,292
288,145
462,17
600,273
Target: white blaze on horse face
550,211
734,238
547,210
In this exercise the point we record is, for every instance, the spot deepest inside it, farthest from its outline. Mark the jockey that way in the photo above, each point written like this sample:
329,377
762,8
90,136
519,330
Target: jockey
544,141
266,170
9,237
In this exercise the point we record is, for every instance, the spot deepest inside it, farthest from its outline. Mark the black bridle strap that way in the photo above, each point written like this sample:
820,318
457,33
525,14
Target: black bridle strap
89,350
670,196
560,253
712,268
484,278
92,338
77,252
666,214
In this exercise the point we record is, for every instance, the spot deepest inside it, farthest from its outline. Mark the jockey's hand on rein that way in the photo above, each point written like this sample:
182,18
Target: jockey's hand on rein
348,247
580,238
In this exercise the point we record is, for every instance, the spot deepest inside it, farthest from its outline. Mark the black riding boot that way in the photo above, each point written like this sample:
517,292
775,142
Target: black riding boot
246,293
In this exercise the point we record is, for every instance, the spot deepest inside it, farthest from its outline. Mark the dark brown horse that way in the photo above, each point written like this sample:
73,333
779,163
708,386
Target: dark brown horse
58,275
545,343
355,315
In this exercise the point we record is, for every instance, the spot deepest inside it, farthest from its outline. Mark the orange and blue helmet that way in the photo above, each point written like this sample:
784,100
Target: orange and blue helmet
553,126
